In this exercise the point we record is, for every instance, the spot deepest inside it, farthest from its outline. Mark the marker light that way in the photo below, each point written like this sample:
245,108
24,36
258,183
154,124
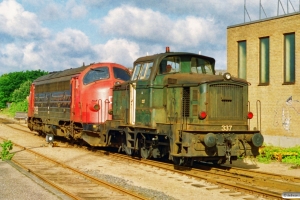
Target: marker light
202,115
94,107
250,115
167,49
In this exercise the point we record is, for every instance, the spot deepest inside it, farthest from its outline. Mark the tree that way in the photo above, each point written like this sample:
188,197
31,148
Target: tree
22,92
10,85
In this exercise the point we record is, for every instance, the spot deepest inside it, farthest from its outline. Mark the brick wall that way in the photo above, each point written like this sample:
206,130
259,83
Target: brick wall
278,118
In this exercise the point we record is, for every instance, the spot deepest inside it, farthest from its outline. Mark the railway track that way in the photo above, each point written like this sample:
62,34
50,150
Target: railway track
266,185
66,179
72,182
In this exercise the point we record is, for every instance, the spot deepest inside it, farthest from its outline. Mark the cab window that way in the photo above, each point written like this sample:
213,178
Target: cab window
121,74
142,71
170,64
95,74
200,66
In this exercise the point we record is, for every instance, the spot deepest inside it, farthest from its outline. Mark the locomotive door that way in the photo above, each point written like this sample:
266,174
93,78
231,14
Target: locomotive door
75,100
132,103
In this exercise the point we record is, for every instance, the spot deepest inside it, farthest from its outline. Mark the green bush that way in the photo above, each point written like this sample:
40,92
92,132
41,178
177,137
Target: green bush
14,86
6,147
285,155
15,107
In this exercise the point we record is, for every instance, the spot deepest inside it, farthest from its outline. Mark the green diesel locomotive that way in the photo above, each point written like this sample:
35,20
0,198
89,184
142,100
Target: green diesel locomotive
175,106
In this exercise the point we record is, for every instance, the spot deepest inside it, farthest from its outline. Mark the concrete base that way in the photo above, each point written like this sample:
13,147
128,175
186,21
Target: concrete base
281,141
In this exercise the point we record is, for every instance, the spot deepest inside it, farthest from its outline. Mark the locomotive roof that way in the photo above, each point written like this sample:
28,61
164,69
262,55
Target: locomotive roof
61,74
162,55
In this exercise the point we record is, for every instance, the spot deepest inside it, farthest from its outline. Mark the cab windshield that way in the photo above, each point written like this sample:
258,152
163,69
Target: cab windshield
95,74
201,66
121,74
185,64
142,71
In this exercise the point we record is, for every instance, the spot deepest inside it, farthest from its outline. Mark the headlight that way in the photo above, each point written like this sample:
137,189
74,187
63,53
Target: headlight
49,138
227,76
94,106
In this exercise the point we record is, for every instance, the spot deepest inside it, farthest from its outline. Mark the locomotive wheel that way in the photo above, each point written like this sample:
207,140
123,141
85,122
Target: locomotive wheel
180,161
218,162
145,153
127,150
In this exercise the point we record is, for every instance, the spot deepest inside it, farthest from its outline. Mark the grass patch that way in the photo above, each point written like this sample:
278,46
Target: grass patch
15,107
6,146
280,154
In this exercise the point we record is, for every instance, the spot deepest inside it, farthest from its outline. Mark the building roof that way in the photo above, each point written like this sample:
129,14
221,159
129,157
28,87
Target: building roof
263,20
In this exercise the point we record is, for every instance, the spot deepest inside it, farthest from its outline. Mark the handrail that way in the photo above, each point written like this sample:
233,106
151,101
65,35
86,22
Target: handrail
258,106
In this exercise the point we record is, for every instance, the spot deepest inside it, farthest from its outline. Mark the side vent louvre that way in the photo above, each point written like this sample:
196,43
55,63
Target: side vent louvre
186,102
195,95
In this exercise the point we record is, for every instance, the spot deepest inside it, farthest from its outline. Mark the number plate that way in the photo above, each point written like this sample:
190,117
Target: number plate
226,127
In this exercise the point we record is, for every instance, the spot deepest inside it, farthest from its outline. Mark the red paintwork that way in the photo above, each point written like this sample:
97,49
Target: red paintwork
84,97
99,92
31,102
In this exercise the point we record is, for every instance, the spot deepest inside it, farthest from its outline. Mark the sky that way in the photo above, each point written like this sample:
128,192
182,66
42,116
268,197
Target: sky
53,35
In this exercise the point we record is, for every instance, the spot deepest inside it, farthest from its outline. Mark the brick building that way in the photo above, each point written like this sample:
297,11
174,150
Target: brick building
266,53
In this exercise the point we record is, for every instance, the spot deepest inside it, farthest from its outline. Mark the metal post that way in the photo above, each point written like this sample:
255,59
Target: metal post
278,8
244,11
259,9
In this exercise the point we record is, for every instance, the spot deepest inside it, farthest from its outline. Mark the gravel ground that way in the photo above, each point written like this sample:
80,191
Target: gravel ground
152,182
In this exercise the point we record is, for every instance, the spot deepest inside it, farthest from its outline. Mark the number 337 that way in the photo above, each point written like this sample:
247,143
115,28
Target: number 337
226,127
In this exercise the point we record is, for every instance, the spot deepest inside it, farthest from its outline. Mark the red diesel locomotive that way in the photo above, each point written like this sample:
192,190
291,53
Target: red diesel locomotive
68,102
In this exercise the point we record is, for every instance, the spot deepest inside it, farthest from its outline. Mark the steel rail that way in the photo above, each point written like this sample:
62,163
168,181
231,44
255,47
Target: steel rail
96,180
242,185
46,180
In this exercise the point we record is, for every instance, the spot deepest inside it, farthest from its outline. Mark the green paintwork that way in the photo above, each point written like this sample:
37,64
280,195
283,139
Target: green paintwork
168,104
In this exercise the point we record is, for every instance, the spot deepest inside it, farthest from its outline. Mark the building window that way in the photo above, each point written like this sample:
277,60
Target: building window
289,58
264,60
242,59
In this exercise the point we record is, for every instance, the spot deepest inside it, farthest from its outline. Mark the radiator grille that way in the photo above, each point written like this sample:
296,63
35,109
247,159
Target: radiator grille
226,102
186,102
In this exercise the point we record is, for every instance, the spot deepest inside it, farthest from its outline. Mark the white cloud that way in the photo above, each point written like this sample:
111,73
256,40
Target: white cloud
76,11
155,27
63,10
71,40
32,57
11,55
67,49
117,50
52,11
16,22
